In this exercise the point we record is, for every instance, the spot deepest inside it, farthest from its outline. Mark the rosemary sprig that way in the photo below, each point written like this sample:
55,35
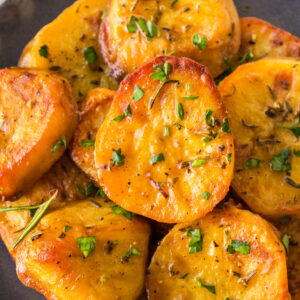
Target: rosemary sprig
34,221
7,209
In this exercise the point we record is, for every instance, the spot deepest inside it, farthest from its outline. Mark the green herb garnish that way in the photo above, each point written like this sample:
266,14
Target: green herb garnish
118,210
59,143
211,288
89,189
238,247
173,3
118,159
103,279
180,111
166,131
104,14
43,51
90,54
201,43
285,241
209,118
284,220
205,195
66,228
295,129
131,252
196,241
247,57
87,244
157,158
252,163
225,126
229,155
198,162
138,93
190,97
87,143
297,153
131,26
281,161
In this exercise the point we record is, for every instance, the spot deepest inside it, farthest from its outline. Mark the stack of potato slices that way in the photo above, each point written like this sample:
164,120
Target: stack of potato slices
139,115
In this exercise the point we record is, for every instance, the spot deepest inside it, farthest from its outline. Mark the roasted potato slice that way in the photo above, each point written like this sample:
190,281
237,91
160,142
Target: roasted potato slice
228,254
290,233
138,31
64,176
264,39
93,110
69,46
165,149
38,118
263,100
51,261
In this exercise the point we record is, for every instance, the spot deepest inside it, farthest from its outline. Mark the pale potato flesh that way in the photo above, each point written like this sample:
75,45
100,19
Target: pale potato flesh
264,39
49,259
171,190
93,110
261,274
265,94
74,30
215,20
37,109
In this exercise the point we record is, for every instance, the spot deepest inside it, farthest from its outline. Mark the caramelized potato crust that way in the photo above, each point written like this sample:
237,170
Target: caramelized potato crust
67,38
263,101
171,158
259,272
172,28
37,110
93,110
264,39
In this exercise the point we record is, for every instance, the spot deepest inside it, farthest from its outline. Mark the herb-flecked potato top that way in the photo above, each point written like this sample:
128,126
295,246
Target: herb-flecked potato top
93,110
263,100
136,31
228,254
38,116
165,149
69,46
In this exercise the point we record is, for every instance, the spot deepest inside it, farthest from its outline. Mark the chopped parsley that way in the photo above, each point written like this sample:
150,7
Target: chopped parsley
138,93
43,51
180,111
157,158
190,97
162,71
285,241
100,193
198,162
131,26
118,158
131,252
295,129
184,276
284,220
229,155
247,57
118,210
209,118
86,244
89,189
148,28
178,125
119,118
238,247
166,131
211,288
281,161
103,279
59,143
225,126
252,163
90,55
87,143
196,242
205,195
66,228
201,43
173,3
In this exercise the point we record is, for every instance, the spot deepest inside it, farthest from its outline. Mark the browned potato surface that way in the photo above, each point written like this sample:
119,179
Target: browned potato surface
137,31
37,111
165,149
69,46
49,258
291,227
93,110
263,101
264,39
228,254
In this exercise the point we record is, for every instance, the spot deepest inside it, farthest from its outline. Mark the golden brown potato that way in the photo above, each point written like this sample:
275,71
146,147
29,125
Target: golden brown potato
63,176
137,31
291,227
264,39
228,254
51,261
165,149
93,110
68,44
263,101
37,117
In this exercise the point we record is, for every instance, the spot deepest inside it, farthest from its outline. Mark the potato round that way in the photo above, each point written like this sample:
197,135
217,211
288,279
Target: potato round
93,110
264,39
290,227
38,118
50,261
171,28
60,46
176,141
255,271
262,97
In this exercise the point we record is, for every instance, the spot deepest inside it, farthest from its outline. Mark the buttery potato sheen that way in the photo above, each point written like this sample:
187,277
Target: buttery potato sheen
93,110
263,100
264,39
165,149
137,31
37,111
253,268
69,46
